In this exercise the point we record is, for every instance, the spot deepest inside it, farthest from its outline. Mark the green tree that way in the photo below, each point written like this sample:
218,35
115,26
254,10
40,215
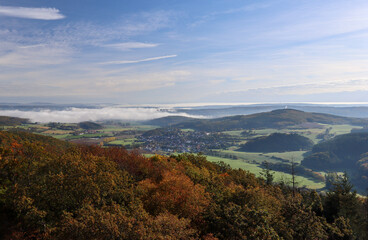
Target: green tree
267,174
342,203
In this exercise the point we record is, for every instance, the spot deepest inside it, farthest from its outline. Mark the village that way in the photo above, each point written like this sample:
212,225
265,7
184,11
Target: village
176,140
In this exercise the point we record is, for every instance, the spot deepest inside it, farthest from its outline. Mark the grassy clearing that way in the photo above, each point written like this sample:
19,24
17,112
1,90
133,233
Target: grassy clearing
300,180
260,157
128,141
248,156
117,129
236,164
57,132
187,130
279,176
297,156
61,136
234,133
341,129
40,126
266,131
145,127
91,135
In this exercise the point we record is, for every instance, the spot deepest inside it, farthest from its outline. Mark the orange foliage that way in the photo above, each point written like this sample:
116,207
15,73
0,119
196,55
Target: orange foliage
54,190
175,193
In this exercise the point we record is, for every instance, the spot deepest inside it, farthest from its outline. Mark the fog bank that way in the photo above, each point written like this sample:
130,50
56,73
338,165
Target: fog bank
73,115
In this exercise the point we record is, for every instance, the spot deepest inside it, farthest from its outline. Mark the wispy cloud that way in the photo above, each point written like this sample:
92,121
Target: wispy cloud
31,56
31,13
32,46
140,60
131,45
247,8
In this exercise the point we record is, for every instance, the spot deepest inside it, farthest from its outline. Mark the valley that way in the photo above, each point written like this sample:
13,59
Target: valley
218,139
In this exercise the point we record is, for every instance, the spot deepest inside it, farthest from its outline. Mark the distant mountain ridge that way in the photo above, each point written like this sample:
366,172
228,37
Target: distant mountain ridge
280,118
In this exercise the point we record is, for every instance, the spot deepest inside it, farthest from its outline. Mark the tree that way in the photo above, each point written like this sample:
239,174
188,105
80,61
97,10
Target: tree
342,202
267,174
293,175
330,179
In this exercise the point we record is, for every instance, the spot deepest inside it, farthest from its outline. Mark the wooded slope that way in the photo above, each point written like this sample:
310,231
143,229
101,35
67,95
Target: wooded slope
53,190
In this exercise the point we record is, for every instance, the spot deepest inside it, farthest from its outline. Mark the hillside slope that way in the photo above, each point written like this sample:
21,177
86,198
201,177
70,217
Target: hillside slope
341,152
53,191
348,152
274,119
277,142
169,121
12,121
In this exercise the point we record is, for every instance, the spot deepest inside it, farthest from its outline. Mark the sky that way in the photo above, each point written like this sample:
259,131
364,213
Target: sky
175,51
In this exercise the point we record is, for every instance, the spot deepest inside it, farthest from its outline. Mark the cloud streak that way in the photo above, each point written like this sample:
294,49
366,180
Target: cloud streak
31,13
131,45
140,60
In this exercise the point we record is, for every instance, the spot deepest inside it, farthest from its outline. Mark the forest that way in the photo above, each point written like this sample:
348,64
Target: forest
277,142
51,189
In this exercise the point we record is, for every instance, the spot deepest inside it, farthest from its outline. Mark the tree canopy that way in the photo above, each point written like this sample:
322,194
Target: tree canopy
50,189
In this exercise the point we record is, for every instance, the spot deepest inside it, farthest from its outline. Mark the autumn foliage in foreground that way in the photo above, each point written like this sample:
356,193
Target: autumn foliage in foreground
50,189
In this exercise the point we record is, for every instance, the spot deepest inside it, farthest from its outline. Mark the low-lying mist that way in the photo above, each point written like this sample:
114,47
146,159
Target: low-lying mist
73,115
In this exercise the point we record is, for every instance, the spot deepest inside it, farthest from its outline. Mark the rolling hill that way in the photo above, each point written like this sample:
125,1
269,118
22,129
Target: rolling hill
277,142
169,121
339,153
12,121
278,119
348,152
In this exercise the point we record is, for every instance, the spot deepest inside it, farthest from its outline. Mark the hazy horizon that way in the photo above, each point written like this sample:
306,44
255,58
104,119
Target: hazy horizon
72,113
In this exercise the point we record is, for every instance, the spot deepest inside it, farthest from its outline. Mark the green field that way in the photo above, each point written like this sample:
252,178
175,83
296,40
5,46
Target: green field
90,135
279,176
296,156
234,133
187,130
124,142
342,129
145,127
259,157
116,129
60,136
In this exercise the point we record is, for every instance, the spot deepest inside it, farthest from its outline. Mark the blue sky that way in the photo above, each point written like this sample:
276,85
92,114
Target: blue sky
175,51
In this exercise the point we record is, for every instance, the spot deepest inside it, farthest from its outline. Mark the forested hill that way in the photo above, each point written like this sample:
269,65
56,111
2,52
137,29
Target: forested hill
341,152
12,121
274,119
53,190
348,152
169,121
277,142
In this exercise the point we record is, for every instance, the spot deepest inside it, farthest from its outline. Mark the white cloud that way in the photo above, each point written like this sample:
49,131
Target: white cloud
74,115
131,45
140,60
33,46
31,13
